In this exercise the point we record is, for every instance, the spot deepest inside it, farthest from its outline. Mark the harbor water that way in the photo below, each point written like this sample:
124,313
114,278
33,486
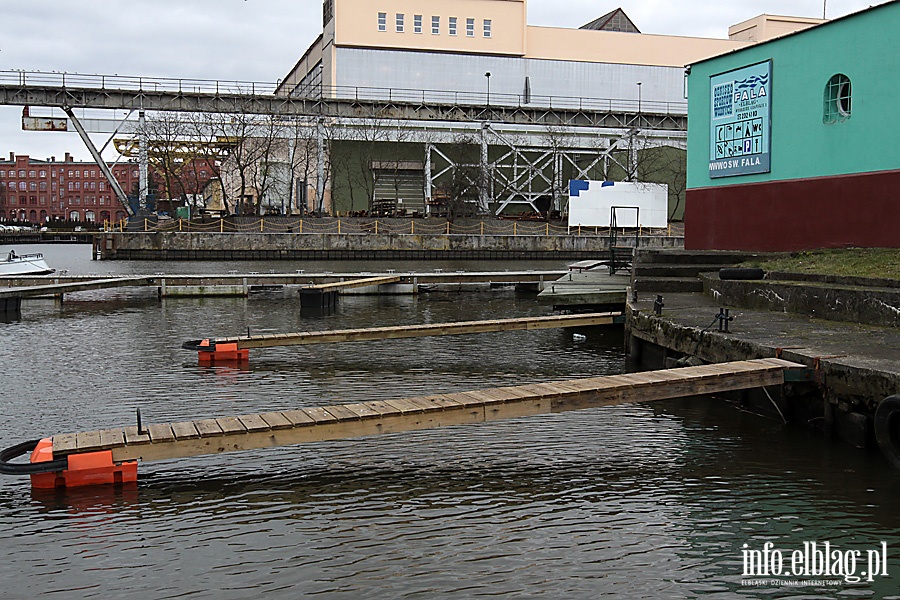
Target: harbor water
654,500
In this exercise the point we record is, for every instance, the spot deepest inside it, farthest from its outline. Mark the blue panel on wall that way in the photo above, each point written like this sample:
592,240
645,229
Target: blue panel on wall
576,186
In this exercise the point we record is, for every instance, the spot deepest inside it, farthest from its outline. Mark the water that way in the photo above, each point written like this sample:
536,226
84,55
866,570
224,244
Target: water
639,501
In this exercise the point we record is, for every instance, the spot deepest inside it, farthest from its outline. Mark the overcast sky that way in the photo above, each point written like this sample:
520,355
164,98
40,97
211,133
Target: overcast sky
260,40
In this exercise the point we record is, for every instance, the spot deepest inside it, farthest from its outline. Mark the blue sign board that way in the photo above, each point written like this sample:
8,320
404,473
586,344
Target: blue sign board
740,121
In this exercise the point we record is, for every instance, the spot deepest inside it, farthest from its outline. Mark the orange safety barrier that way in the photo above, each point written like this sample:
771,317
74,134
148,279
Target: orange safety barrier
227,353
90,468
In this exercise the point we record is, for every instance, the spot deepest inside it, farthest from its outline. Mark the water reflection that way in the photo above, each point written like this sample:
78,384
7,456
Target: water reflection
640,501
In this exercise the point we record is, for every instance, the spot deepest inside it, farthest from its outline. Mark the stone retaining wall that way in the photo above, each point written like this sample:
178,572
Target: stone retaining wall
327,246
816,296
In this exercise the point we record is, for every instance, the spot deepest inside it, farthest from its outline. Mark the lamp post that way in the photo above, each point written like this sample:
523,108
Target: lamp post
639,97
488,77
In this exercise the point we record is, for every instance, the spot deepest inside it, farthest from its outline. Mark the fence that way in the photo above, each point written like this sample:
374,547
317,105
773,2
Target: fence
298,226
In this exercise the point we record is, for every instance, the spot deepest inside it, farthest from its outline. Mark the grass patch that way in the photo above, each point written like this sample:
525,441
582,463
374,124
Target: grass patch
883,263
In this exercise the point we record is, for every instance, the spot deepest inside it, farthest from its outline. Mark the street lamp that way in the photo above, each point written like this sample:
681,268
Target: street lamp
639,96
488,77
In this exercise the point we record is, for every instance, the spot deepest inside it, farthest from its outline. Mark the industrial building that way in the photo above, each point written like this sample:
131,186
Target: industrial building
791,141
484,52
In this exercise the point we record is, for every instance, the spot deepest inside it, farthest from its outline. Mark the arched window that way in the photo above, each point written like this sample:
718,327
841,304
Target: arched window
74,216
837,99
89,216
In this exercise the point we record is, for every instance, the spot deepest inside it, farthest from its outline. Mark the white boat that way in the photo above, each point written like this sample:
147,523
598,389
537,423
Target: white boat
25,264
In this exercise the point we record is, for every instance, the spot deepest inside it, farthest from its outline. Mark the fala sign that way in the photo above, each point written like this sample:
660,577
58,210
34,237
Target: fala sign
739,121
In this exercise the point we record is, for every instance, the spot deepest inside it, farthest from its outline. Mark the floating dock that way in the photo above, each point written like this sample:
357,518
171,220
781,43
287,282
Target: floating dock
111,455
234,348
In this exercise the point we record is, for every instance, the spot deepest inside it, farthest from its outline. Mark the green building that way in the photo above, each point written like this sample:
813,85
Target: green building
793,143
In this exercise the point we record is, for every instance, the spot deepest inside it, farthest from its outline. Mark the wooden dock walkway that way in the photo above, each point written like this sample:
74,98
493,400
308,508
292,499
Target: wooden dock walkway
280,428
394,332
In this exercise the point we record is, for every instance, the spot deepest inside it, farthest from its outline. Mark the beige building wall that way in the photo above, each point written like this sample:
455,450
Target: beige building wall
583,45
765,27
357,25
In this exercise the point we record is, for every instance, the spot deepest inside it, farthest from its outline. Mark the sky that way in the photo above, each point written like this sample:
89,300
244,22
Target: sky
260,40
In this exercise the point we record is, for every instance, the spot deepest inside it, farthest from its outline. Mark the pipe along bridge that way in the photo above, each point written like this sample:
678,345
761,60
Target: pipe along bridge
230,349
110,456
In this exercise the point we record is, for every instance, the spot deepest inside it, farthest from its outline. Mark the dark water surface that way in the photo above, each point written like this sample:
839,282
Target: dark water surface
640,501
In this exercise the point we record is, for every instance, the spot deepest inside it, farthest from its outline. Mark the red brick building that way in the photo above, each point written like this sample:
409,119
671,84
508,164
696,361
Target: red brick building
41,191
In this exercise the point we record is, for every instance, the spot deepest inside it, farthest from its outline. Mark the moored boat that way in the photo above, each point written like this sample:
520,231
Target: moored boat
24,264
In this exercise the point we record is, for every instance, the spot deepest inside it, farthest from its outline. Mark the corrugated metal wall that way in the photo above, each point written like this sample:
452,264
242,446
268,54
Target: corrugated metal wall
465,74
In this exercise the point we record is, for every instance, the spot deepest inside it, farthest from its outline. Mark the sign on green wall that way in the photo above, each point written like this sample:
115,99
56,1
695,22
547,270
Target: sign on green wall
740,121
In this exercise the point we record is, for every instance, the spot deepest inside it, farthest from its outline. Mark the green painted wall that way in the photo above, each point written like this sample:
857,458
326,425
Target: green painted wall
864,47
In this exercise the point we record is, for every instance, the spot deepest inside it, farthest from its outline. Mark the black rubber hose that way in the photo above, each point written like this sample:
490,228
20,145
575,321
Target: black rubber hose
195,345
50,466
741,273
887,429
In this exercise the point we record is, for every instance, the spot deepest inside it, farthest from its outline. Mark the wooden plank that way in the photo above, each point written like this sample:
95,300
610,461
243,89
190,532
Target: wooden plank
208,428
185,430
276,420
341,413
231,425
381,407
64,443
404,406
320,415
161,432
424,404
363,410
445,402
88,441
476,397
298,418
111,437
133,438
253,423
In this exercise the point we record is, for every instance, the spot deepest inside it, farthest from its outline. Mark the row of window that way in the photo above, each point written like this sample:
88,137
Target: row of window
34,185
42,200
72,173
75,215
452,25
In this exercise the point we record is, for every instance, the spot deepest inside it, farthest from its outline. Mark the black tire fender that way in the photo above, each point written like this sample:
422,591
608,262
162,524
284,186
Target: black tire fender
741,273
887,429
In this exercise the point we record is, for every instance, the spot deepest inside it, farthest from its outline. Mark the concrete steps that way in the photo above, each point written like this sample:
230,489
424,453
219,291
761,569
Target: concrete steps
667,284
675,271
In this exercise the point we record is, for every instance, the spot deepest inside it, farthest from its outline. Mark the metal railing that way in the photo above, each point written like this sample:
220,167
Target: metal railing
299,226
63,79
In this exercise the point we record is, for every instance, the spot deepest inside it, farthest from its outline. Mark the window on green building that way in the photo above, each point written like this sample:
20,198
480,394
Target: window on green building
837,99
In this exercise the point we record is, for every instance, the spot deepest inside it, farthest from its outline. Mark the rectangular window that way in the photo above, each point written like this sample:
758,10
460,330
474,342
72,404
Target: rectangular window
32,173
382,21
44,186
417,23
452,26
399,22
21,186
43,173
2,173
32,186
435,26
470,27
487,28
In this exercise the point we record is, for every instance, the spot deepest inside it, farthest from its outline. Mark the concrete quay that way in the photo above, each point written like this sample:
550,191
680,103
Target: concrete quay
356,246
859,362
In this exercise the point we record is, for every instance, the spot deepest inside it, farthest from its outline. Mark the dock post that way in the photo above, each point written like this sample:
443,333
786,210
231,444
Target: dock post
11,306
